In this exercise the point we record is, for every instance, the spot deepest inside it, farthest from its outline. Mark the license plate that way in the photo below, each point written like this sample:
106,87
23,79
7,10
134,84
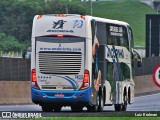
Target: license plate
59,95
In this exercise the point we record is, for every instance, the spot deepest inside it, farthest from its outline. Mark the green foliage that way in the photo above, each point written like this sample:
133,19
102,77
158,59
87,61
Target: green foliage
131,11
73,8
63,6
17,17
9,43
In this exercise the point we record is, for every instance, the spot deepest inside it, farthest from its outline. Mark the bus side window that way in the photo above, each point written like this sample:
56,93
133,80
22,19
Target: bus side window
125,38
109,71
131,37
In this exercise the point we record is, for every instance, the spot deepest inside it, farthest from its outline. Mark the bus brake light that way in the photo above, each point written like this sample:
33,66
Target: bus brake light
34,75
61,15
34,79
60,36
85,83
86,76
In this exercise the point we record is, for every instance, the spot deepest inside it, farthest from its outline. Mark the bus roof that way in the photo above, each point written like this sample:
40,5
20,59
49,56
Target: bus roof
91,17
65,24
108,20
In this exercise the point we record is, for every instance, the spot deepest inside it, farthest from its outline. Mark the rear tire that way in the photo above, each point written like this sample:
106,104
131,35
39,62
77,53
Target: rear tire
121,107
99,106
93,108
118,107
101,102
124,107
57,108
47,108
76,108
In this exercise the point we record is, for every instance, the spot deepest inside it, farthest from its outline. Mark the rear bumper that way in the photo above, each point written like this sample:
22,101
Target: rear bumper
69,98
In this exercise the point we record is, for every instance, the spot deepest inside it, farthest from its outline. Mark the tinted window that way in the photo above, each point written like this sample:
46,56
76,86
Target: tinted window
117,35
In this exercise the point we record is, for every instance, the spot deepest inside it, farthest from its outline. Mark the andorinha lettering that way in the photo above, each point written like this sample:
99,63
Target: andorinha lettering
61,31
113,53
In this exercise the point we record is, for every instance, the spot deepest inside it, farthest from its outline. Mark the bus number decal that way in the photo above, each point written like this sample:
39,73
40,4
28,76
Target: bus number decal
79,77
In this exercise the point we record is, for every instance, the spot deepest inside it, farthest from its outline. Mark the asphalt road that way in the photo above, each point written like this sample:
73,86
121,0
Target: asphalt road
142,103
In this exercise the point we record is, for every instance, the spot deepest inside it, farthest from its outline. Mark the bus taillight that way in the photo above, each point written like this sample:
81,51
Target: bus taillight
83,17
39,16
85,83
34,79
34,75
60,36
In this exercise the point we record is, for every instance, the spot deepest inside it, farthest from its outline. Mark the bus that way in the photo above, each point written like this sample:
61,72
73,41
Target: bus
81,61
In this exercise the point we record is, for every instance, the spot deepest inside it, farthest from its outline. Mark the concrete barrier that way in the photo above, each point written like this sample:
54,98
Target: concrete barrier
145,85
15,92
19,92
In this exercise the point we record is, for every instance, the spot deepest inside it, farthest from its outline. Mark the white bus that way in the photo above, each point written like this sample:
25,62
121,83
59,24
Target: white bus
81,61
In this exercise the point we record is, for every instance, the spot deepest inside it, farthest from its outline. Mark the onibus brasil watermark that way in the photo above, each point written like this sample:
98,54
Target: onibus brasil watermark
21,115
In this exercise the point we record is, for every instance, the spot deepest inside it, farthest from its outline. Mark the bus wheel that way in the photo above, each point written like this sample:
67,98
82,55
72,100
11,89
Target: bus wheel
76,108
47,108
121,107
97,107
118,107
57,108
92,108
124,107
101,103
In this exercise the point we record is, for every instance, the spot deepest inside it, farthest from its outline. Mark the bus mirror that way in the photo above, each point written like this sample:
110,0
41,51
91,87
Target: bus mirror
137,58
139,63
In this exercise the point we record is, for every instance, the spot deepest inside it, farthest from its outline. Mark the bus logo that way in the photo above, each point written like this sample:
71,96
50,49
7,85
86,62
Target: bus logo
78,24
58,24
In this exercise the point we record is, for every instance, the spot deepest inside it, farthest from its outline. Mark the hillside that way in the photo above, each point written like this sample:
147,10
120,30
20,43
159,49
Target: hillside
131,11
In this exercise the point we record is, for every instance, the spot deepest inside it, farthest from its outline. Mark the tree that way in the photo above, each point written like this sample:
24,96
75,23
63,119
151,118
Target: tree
17,16
9,43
